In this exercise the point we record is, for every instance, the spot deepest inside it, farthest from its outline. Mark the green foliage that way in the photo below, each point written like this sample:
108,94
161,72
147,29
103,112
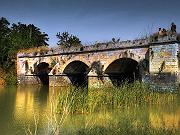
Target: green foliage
27,36
121,110
15,37
78,101
4,40
66,40
53,63
131,109
125,127
11,78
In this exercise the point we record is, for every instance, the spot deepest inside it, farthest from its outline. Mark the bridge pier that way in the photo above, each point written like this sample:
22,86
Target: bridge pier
28,79
99,81
59,80
93,81
164,66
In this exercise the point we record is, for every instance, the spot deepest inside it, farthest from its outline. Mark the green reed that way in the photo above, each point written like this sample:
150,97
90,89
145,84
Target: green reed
110,111
75,100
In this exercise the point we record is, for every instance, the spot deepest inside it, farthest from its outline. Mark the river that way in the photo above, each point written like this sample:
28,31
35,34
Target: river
28,110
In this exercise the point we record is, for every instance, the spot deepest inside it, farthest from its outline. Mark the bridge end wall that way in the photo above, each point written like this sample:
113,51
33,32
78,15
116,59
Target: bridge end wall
164,66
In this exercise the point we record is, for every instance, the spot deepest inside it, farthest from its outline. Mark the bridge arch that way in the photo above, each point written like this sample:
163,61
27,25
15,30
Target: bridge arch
116,57
85,61
60,66
77,72
123,70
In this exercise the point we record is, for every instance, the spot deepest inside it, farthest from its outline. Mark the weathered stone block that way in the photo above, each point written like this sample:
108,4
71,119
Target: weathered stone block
22,80
98,82
59,81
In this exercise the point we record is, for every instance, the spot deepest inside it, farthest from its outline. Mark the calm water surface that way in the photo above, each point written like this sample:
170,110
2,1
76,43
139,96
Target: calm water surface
24,108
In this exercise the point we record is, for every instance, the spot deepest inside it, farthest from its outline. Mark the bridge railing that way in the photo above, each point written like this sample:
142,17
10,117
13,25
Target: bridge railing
104,46
114,45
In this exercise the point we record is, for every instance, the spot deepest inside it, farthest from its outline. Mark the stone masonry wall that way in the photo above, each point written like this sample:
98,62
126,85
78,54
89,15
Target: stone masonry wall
158,62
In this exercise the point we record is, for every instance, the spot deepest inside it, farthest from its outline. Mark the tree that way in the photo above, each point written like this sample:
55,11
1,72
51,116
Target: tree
27,36
15,37
4,40
66,40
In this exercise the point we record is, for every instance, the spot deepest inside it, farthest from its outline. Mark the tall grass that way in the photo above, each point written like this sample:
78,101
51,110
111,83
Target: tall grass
101,101
108,111
80,101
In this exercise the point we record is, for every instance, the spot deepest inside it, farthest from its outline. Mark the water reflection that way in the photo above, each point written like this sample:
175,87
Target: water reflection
31,101
41,95
21,106
7,101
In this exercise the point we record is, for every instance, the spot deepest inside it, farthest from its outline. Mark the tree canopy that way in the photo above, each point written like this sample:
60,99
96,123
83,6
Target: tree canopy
18,36
68,40
4,40
26,36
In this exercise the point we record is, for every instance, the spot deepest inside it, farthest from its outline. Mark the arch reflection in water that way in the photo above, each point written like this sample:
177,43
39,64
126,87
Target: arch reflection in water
123,70
41,95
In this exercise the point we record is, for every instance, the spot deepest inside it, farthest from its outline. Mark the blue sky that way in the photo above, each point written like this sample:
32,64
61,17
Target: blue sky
94,20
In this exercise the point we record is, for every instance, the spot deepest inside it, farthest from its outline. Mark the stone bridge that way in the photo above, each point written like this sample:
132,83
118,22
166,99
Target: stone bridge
102,64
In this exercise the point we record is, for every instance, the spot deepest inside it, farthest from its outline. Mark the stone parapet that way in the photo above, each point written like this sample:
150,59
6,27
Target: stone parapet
98,47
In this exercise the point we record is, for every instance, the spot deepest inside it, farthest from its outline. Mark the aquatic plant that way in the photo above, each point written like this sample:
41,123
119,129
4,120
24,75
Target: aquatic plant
119,110
95,100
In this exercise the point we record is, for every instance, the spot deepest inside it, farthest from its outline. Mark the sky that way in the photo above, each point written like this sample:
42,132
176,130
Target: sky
94,20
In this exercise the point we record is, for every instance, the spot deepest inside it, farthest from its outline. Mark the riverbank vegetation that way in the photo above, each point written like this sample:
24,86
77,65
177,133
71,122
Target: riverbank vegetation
78,101
128,109
118,110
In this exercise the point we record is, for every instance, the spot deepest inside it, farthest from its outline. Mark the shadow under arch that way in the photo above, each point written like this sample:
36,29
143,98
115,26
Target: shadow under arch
77,73
42,70
123,70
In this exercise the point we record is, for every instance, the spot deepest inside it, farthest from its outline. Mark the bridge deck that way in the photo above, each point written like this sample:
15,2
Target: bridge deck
100,47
